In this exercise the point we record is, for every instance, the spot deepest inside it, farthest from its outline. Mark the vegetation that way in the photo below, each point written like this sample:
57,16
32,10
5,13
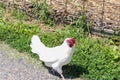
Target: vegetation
92,60
42,12
18,14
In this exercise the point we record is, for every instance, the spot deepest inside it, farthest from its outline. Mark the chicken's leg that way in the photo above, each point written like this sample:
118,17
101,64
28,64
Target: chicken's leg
53,71
62,76
59,70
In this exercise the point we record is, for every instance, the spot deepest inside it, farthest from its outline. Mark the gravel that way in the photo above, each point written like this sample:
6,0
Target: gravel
20,66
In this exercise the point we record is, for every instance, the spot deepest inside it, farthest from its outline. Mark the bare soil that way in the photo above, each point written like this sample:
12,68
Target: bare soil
106,18
93,7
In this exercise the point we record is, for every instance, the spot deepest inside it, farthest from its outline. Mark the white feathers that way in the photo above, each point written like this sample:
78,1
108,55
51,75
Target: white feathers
54,57
36,44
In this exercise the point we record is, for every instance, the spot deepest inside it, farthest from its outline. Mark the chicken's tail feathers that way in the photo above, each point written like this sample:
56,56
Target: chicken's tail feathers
36,44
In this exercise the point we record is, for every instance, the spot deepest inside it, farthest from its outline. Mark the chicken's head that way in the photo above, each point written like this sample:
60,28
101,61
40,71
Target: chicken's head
71,42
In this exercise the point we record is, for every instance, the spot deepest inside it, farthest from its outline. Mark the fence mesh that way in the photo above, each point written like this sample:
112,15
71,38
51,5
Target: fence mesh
104,13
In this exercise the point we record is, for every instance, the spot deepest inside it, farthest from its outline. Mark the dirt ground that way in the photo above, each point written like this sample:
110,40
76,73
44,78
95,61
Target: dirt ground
93,7
111,12
104,17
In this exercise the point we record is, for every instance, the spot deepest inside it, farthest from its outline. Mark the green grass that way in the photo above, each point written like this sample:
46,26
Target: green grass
41,10
92,60
18,14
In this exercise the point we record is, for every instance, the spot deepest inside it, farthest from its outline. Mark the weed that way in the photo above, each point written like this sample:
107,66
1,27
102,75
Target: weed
18,36
42,12
1,11
18,14
1,5
81,21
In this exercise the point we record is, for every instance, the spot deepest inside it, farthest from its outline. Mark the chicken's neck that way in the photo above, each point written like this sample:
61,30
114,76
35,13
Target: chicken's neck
67,47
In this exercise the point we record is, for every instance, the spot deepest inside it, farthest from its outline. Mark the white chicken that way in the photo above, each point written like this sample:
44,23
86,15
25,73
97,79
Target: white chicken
54,57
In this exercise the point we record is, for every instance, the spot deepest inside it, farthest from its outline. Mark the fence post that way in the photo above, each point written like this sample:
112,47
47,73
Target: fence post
24,3
103,8
50,2
65,5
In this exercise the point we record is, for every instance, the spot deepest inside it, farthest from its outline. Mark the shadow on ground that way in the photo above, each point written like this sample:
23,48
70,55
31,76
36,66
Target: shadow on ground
73,71
69,71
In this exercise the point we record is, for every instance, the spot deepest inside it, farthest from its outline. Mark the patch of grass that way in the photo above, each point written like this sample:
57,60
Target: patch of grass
1,11
41,10
1,4
18,36
81,22
97,59
115,39
18,14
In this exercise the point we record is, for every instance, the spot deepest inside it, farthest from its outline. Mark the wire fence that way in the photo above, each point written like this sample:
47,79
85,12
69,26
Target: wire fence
104,13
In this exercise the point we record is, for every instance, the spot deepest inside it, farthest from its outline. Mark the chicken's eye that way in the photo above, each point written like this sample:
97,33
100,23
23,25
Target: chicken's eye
71,42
